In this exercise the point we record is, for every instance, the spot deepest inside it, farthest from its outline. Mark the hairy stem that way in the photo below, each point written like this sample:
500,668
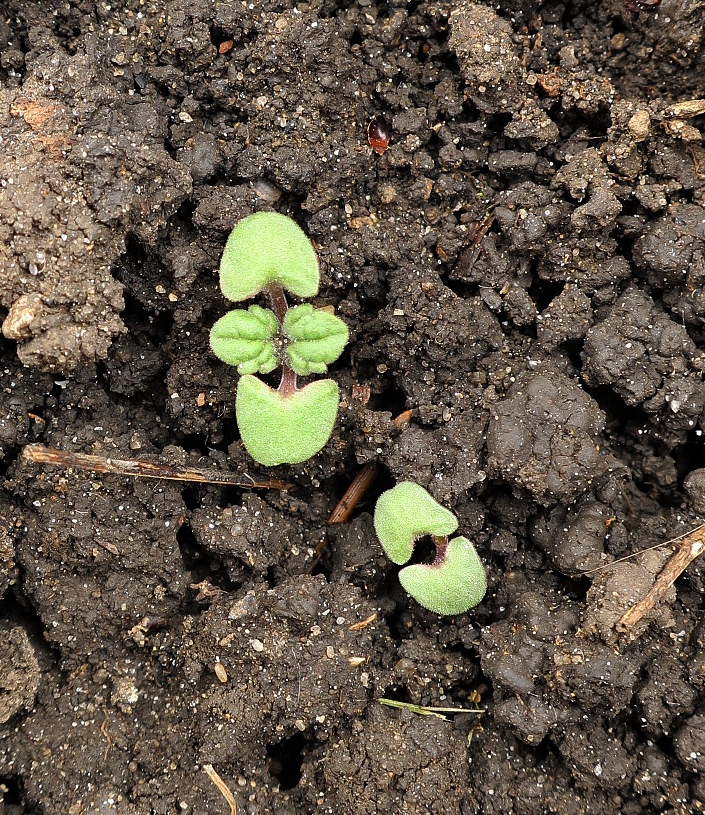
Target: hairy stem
278,300
287,386
441,544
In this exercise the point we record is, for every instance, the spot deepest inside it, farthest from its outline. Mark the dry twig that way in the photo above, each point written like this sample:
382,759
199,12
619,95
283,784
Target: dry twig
222,787
362,482
135,467
692,545
363,623
472,252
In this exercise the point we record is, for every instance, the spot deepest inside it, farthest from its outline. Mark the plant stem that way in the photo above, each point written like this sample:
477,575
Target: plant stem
441,544
287,386
278,300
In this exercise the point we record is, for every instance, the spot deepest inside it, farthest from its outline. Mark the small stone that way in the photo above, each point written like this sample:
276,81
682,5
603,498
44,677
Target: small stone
355,661
640,125
22,313
387,193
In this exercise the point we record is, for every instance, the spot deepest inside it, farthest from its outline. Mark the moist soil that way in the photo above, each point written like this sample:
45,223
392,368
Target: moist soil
523,268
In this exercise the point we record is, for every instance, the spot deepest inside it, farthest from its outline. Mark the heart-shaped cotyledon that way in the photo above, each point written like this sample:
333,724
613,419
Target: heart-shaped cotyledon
285,428
450,585
268,248
404,514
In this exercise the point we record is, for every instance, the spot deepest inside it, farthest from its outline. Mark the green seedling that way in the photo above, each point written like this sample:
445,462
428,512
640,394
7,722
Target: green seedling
268,252
424,710
455,581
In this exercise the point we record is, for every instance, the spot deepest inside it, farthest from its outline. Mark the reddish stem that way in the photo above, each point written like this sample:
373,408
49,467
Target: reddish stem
441,544
287,386
278,300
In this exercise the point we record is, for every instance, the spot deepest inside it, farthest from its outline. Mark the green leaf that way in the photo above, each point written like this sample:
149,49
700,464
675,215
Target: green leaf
244,338
268,247
290,429
316,336
406,512
453,586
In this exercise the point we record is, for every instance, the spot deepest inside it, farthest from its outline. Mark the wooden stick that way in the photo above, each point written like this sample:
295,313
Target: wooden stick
358,487
362,482
39,454
691,546
222,787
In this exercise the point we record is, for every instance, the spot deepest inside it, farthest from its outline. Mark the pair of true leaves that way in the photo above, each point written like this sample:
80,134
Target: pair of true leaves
455,581
309,339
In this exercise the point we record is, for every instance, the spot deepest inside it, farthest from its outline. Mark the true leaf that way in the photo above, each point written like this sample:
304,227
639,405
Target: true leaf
316,338
245,338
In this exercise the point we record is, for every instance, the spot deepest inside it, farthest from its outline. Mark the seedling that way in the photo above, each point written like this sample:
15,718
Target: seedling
424,710
269,252
455,581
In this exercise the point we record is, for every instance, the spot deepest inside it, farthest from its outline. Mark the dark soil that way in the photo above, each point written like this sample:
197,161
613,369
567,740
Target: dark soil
553,364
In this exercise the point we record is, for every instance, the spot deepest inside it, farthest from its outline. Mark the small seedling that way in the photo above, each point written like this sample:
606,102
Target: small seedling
269,252
425,710
455,581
